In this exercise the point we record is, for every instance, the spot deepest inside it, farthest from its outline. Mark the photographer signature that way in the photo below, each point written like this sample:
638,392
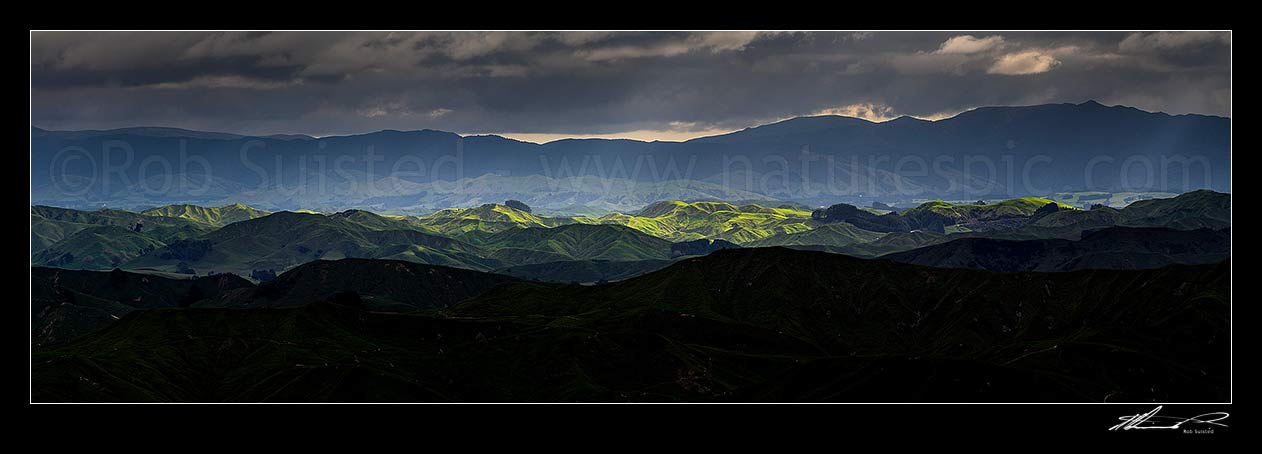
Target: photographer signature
1151,420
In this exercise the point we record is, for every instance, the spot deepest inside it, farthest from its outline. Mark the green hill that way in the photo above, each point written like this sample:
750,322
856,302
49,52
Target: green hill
1086,199
488,218
943,217
887,243
575,242
1070,224
684,221
480,241
50,225
97,247
1192,210
840,234
373,221
977,216
283,240
209,216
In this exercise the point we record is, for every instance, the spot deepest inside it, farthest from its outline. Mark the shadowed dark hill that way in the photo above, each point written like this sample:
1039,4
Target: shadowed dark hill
700,247
382,285
70,303
735,325
850,307
1110,248
584,271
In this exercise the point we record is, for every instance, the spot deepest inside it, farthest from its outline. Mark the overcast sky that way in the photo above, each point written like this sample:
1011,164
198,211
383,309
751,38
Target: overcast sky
644,85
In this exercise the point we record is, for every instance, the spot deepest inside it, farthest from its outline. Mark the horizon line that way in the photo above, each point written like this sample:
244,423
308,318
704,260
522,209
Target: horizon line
623,135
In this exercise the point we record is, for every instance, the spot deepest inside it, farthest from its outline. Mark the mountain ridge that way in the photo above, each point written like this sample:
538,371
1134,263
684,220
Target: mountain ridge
168,131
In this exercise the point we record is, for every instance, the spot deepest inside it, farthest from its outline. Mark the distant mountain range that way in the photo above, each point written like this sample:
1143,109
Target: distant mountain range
987,152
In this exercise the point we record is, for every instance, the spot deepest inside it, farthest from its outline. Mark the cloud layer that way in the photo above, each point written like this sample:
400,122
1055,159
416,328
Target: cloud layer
550,84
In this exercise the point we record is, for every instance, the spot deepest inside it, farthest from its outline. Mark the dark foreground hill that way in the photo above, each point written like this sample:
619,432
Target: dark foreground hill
766,324
70,303
584,271
382,285
1110,248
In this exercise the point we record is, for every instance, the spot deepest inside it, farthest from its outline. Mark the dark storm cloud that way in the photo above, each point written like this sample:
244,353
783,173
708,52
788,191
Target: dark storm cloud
599,82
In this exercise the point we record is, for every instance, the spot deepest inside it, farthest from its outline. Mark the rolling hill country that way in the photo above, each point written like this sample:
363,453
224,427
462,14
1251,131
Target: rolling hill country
701,300
656,216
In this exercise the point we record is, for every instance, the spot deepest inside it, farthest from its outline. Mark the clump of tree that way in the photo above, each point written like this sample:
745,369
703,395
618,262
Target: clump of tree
517,205
263,275
191,250
1044,210
184,268
62,260
889,222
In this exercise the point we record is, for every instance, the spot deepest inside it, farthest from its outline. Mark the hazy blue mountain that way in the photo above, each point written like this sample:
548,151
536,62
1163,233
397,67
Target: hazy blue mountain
1071,134
391,169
